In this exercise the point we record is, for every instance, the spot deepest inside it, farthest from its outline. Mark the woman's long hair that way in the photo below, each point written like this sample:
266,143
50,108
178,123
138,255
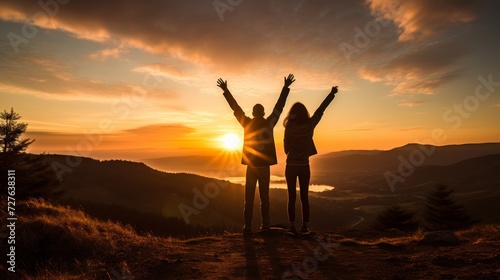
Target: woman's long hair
298,114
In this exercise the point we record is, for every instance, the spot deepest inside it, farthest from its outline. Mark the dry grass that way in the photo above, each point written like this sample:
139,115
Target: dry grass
390,240
479,234
56,242
474,235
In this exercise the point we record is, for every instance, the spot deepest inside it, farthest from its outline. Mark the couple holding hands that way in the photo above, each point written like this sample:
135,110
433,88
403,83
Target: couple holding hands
259,152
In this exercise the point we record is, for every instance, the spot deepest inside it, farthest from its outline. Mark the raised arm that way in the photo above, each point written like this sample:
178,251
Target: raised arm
238,112
319,112
278,108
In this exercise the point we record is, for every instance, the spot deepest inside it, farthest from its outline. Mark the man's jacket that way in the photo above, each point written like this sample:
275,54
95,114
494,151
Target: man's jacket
258,146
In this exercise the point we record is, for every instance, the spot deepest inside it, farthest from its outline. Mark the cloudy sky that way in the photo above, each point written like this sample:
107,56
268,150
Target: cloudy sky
137,79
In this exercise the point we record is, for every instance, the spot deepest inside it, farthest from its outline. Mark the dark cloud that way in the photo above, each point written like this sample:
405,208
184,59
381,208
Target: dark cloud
418,70
278,35
45,74
424,18
251,33
424,56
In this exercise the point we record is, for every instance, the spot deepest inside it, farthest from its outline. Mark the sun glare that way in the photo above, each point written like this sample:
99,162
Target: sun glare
231,142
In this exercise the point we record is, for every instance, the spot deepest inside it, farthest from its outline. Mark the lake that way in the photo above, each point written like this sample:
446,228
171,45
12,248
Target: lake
278,182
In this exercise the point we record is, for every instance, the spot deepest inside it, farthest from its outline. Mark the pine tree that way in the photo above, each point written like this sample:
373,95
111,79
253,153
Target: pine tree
443,213
33,175
10,131
396,217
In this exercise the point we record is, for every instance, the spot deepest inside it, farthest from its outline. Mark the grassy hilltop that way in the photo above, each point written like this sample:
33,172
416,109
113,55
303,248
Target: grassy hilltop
56,242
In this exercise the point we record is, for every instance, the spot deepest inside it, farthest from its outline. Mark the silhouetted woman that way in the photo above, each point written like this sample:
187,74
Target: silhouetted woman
299,146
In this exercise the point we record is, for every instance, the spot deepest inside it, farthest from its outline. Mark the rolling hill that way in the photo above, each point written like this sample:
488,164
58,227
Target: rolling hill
210,202
219,166
137,186
196,199
468,175
380,161
351,161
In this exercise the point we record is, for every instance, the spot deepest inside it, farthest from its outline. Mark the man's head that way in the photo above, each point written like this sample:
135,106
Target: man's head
258,111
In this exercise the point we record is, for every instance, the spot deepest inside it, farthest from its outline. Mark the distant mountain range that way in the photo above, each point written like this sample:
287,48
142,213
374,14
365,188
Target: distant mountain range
365,161
204,201
137,186
415,154
466,166
466,175
359,177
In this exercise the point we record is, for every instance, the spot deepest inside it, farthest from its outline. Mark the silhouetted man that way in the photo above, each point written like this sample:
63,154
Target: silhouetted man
259,151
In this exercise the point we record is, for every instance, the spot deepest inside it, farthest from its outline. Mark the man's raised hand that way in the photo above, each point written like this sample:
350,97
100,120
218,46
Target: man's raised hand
334,89
222,84
289,80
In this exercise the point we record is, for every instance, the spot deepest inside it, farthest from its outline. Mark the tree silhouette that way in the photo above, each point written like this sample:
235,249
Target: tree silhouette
33,176
10,131
396,217
443,213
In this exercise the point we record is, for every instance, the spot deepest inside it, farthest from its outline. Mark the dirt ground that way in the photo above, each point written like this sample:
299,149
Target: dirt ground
341,255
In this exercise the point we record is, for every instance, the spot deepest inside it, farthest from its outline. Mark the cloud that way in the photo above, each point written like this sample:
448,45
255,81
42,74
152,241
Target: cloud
424,18
46,75
176,70
419,70
136,143
105,54
150,136
258,39
425,54
268,38
411,104
252,34
168,130
53,139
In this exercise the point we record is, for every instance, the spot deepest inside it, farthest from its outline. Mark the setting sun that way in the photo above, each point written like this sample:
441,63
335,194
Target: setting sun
231,141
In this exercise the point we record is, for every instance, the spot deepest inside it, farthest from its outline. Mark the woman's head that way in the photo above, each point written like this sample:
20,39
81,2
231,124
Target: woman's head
298,114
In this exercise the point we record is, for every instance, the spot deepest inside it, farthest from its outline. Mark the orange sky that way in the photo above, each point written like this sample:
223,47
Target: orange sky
137,79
